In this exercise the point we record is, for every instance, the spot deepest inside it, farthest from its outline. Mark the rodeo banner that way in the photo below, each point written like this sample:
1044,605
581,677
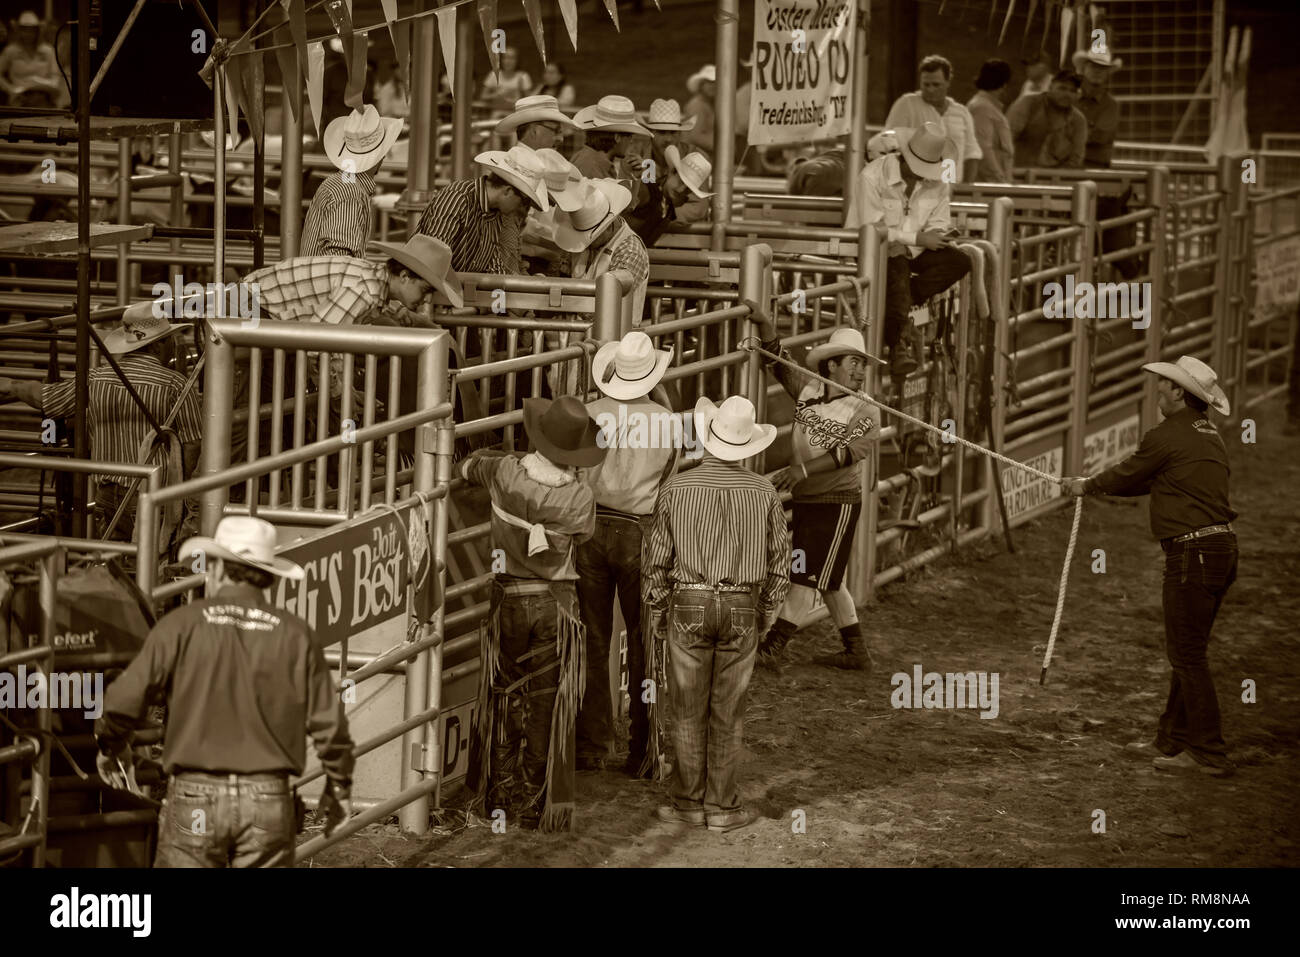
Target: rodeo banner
802,70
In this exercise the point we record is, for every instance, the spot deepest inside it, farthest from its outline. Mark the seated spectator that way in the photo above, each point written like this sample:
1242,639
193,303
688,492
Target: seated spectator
393,96
555,84
29,73
932,104
991,127
1047,129
703,85
501,89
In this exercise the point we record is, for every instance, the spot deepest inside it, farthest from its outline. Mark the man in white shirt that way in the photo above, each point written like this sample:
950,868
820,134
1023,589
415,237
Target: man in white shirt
932,104
905,191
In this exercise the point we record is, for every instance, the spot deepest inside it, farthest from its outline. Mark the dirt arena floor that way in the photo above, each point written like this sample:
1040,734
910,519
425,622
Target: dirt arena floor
879,786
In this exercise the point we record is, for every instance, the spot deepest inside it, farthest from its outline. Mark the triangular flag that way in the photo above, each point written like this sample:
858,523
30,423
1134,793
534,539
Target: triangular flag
1011,8
316,82
397,31
1047,24
1067,35
657,7
612,7
290,68
232,109
1029,18
487,21
355,94
993,12
447,35
533,10
402,44
254,93
569,10
298,27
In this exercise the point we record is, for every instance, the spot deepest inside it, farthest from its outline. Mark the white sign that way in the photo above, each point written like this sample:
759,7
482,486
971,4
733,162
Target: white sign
1110,444
1024,492
1277,277
802,72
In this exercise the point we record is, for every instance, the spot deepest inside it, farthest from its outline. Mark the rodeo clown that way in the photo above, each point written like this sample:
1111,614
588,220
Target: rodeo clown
533,640
830,437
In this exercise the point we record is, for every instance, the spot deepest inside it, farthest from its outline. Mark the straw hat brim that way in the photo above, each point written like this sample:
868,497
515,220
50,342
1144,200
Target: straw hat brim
923,168
534,114
448,286
586,119
833,350
603,364
576,240
117,343
693,82
1080,57
336,148
1215,396
685,126
693,183
588,454
211,548
705,411
536,192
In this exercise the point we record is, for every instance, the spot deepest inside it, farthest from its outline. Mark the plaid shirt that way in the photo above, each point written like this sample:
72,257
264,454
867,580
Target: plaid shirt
480,238
338,220
623,250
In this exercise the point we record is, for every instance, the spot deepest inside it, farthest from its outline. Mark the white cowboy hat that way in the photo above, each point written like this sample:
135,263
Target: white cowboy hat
243,539
539,108
357,142
28,19
1101,58
729,431
1195,377
614,114
602,200
844,341
520,167
563,180
707,72
629,368
430,259
233,140
923,149
667,115
694,169
139,328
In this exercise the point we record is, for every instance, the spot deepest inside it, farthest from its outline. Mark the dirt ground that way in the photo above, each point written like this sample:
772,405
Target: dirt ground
880,786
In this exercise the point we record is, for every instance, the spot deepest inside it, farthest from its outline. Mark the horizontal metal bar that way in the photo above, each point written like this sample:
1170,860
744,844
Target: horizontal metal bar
378,741
366,818
325,336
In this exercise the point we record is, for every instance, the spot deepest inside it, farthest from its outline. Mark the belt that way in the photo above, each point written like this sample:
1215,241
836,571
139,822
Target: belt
1202,532
538,587
227,776
603,512
692,586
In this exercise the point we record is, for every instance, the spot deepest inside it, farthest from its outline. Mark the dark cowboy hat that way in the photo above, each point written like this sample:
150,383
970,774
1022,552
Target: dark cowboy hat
562,430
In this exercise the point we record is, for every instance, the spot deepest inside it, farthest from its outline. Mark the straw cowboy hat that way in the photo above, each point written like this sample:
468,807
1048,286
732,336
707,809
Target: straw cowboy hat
844,341
708,72
140,327
28,19
613,114
1102,58
358,141
562,431
1195,377
629,368
243,539
430,259
728,431
520,167
563,180
602,200
694,169
667,115
539,108
924,149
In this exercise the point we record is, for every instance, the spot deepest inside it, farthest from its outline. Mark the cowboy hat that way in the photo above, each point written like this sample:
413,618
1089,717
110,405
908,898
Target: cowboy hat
539,108
28,19
923,149
629,368
357,142
1100,58
708,72
1195,377
233,140
520,167
430,259
844,341
667,115
140,327
602,200
728,431
613,114
562,431
243,539
694,169
563,180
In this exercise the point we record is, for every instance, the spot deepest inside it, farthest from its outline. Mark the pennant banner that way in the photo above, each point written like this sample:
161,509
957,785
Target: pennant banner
447,36
298,27
487,21
254,92
1011,8
316,83
533,10
355,94
290,68
398,33
1067,36
612,7
569,10
232,110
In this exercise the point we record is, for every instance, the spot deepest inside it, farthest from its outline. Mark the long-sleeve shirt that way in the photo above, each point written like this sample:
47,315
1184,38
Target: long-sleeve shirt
245,683
883,197
994,136
478,235
1183,463
642,438
622,250
23,70
718,523
912,111
338,220
1101,112
1046,136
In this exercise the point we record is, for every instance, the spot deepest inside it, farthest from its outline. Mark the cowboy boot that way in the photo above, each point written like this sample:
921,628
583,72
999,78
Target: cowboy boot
771,650
854,657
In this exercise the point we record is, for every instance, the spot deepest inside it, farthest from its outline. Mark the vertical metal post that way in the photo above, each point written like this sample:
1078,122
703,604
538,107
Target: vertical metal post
147,546
1229,182
421,159
724,123
290,171
608,324
441,513
218,401
999,233
124,217
218,180
857,152
40,797
1083,213
755,285
1157,183
81,387
257,87
1241,221
176,212
462,145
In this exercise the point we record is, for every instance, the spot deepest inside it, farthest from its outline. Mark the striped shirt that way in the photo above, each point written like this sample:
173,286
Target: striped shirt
117,426
338,220
718,523
477,234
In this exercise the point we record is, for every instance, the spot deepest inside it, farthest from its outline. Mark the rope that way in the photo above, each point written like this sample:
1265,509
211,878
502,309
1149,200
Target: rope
1060,595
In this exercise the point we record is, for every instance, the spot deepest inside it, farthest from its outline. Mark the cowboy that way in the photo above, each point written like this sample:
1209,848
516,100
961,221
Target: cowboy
906,192
245,682
29,70
682,197
991,129
338,219
932,104
637,462
564,189
831,438
703,84
1099,108
1048,129
610,148
1183,464
536,122
717,565
122,427
650,217
532,647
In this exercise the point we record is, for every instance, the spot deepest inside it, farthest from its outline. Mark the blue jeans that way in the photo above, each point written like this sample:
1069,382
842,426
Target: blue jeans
1197,576
712,640
224,820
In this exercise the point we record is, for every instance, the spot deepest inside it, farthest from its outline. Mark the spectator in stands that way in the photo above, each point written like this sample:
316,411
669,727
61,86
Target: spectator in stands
555,84
716,569
612,129
29,74
393,95
906,192
932,104
703,85
1038,76
533,642
820,175
1098,107
120,427
500,89
1048,130
991,128
537,122
245,682
338,219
